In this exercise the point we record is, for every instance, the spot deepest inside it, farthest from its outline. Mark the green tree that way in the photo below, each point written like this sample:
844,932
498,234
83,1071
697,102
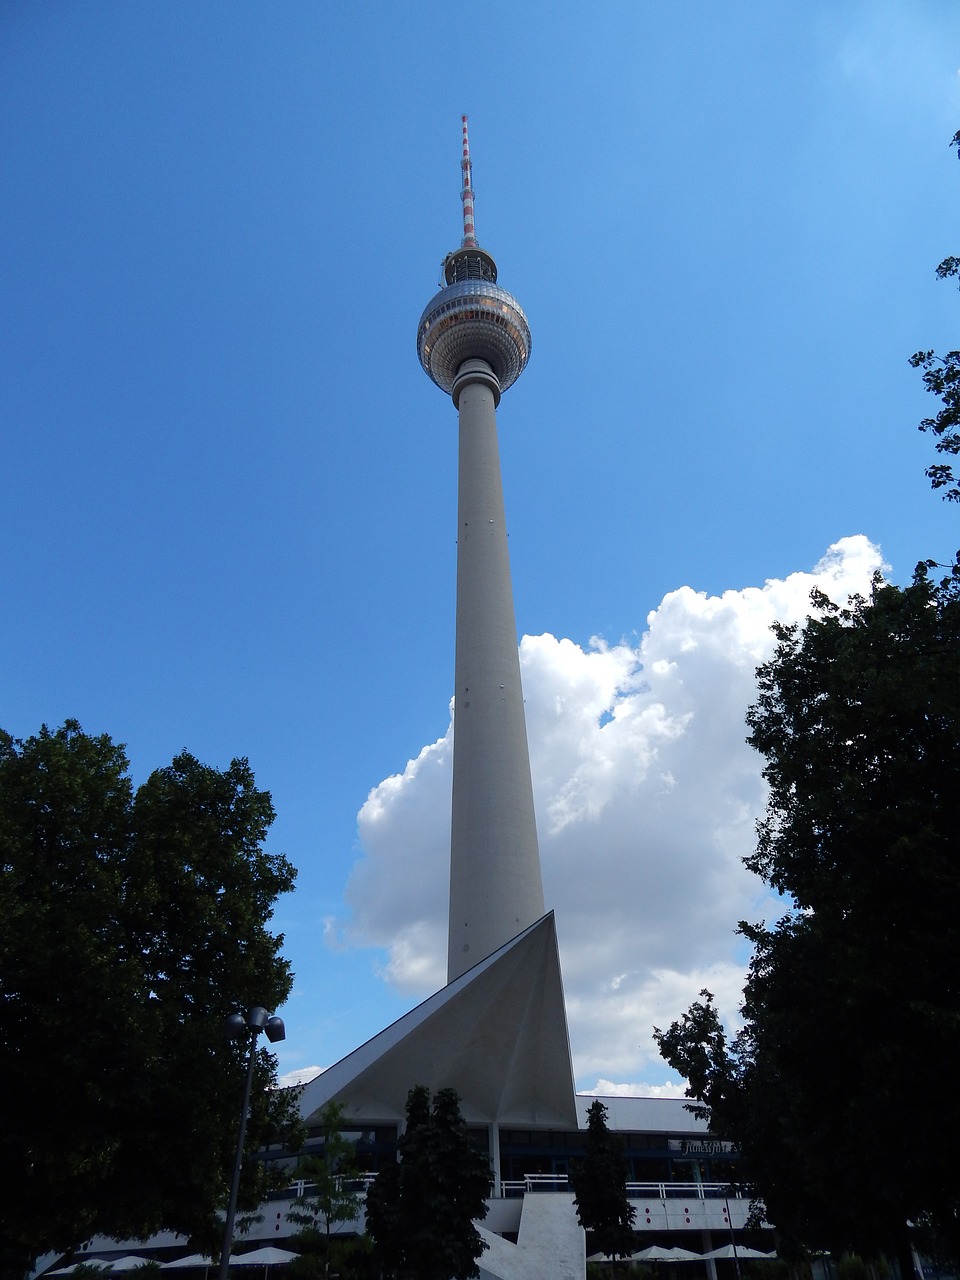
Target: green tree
333,1196
600,1187
131,923
422,1211
941,376
834,1089
384,1219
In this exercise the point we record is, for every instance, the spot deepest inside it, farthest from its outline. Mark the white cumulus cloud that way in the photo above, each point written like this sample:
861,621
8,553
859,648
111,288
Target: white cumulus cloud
647,796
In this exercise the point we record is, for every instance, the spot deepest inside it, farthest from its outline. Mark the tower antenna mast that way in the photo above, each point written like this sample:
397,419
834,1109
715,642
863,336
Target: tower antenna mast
469,240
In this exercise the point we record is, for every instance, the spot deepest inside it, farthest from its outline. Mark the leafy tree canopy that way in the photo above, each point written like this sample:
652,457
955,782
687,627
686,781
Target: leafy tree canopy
422,1211
941,375
331,1197
838,1088
131,922
599,1183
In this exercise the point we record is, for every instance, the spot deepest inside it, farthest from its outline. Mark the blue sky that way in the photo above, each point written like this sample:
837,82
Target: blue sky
228,490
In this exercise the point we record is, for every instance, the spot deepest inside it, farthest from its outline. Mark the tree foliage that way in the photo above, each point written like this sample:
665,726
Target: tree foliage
332,1196
422,1211
835,1090
941,376
131,923
599,1184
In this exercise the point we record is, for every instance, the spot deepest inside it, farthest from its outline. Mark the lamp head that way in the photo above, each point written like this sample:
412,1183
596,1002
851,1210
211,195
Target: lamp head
257,1018
275,1029
235,1026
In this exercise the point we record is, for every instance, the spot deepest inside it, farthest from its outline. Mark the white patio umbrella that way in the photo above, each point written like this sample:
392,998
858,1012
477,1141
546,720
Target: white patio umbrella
268,1256
84,1262
657,1253
191,1260
129,1262
742,1251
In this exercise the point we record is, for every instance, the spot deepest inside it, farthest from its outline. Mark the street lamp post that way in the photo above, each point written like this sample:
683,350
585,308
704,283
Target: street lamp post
257,1020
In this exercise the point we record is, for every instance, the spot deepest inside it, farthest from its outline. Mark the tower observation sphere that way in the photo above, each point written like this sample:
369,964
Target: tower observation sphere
472,318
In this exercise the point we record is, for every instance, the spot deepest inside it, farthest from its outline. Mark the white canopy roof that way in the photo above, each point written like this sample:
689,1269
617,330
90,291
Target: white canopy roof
497,1034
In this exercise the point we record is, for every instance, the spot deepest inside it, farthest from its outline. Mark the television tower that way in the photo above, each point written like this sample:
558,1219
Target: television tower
474,342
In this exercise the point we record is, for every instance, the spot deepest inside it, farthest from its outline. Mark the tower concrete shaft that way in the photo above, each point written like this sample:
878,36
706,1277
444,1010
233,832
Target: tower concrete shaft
495,883
474,342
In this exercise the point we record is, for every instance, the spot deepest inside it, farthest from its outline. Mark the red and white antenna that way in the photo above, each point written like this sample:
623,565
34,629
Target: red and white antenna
466,195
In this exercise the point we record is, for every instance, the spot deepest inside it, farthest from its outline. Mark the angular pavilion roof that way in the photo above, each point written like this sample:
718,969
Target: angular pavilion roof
497,1034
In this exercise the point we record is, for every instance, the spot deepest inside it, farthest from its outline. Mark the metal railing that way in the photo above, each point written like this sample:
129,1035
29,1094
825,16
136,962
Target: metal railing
560,1182
358,1182
635,1190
